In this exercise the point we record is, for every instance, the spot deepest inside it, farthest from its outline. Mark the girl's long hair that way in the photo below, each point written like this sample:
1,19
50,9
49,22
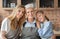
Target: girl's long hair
14,23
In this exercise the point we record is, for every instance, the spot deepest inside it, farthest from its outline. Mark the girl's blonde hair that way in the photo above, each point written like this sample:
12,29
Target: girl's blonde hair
14,23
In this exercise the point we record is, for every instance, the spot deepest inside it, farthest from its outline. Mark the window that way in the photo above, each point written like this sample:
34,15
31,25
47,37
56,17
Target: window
24,2
46,3
9,3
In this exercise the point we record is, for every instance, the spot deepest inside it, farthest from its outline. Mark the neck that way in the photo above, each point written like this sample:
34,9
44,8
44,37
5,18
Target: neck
44,20
30,20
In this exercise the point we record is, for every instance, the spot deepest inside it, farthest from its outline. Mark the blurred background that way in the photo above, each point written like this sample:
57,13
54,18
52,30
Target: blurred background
50,7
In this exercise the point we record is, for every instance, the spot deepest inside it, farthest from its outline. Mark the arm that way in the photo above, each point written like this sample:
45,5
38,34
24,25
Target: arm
47,30
3,35
3,29
39,28
53,37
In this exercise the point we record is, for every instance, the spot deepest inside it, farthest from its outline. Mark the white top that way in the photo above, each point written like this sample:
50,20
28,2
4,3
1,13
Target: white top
5,25
28,24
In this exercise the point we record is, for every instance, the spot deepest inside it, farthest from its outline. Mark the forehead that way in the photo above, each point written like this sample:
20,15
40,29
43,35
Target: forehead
39,13
29,9
22,9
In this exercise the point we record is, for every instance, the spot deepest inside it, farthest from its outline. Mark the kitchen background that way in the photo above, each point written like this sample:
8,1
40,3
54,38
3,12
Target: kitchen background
50,7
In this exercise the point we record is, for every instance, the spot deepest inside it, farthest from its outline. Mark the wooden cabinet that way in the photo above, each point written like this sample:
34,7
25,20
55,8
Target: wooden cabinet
9,4
42,4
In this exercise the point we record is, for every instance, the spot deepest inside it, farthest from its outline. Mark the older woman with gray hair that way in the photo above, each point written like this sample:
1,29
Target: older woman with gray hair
29,29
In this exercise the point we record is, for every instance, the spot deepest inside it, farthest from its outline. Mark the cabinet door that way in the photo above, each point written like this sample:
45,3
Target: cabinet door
46,3
24,2
9,3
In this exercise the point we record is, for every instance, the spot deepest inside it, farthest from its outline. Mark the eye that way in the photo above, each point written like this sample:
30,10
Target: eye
18,10
23,12
27,12
31,11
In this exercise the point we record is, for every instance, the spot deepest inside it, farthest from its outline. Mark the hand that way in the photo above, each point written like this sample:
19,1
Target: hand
3,38
2,35
53,37
38,24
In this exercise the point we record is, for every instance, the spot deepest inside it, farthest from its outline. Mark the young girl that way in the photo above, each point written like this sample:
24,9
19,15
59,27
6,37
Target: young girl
29,30
44,26
10,27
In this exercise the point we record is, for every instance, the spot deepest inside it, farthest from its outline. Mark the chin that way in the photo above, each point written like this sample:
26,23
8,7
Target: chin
41,21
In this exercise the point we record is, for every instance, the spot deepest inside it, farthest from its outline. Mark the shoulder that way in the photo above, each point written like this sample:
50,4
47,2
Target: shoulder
5,20
48,23
5,25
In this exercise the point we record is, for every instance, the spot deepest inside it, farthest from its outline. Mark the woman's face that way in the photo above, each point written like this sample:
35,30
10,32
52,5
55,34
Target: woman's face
30,13
40,17
20,13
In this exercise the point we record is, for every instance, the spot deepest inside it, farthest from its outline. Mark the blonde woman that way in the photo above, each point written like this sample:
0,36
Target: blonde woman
10,27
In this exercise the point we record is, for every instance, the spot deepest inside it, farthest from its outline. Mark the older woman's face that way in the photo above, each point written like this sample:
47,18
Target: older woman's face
20,13
40,17
30,13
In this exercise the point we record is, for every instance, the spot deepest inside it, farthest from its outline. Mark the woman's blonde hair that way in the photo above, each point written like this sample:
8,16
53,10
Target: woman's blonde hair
14,23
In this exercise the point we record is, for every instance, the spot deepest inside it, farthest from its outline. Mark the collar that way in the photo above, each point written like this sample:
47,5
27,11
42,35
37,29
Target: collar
29,22
44,22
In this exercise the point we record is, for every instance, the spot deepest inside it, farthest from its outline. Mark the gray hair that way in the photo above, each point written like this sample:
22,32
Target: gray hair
30,5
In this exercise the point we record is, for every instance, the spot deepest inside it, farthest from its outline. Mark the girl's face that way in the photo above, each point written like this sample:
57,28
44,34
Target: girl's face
40,17
29,13
20,13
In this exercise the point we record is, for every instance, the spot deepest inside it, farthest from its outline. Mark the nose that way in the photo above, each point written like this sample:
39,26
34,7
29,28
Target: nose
30,13
21,12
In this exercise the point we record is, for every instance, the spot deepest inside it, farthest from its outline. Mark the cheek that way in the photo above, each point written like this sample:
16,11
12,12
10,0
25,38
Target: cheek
42,19
17,13
27,15
20,14
32,14
38,18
